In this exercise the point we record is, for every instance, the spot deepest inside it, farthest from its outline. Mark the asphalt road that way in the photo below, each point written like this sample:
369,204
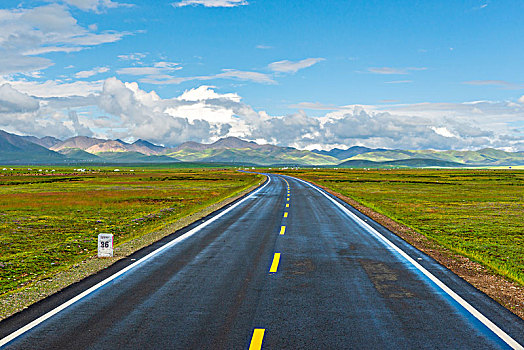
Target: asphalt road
334,284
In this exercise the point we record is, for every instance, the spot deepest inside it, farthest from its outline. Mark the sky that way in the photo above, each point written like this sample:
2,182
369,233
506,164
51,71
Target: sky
308,74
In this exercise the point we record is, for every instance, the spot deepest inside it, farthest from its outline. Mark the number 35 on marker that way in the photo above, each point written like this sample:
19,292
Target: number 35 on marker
105,245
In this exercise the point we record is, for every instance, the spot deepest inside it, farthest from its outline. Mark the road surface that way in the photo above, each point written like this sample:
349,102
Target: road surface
287,267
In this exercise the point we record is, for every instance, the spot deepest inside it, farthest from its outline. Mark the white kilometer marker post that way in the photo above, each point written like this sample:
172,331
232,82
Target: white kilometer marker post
105,245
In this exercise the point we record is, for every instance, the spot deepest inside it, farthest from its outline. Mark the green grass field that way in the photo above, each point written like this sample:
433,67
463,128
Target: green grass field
50,220
477,213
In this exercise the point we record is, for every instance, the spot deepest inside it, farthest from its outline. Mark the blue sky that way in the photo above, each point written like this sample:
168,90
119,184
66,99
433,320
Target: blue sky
309,74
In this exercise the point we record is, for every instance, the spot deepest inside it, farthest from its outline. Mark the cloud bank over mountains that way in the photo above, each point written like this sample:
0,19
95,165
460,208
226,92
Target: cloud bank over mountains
116,109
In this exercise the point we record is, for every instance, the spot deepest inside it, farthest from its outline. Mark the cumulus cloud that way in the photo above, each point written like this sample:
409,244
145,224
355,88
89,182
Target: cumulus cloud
79,128
286,66
204,92
143,114
210,3
399,131
13,101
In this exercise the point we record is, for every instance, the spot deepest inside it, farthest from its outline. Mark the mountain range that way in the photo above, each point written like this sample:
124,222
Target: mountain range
16,149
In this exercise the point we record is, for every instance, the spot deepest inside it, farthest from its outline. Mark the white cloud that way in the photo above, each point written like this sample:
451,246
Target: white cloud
394,71
26,33
443,131
244,75
143,114
286,66
226,74
210,3
521,99
55,88
263,47
137,56
14,101
501,83
398,82
95,5
48,49
205,92
158,69
90,73
314,106
13,63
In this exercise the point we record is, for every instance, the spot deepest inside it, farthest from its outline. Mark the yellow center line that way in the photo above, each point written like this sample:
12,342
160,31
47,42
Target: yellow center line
274,264
256,340
288,199
282,230
287,205
285,214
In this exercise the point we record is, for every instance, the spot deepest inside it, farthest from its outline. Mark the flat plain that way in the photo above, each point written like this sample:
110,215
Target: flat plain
50,217
476,213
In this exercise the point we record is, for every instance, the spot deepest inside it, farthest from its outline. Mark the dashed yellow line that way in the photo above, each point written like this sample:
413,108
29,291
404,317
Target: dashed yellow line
282,230
285,214
288,199
287,205
274,264
256,340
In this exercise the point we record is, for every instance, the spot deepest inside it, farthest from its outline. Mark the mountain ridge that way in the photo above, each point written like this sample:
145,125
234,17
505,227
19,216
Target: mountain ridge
233,150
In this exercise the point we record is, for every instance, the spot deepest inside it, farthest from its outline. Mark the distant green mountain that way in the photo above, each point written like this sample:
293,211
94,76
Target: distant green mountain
133,157
16,149
347,153
487,156
359,163
77,154
402,163
262,156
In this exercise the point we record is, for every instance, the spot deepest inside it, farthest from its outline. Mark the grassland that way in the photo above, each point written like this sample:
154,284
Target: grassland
476,213
50,220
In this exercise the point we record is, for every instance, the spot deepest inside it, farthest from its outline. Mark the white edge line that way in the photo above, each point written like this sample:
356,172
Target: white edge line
85,293
493,327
